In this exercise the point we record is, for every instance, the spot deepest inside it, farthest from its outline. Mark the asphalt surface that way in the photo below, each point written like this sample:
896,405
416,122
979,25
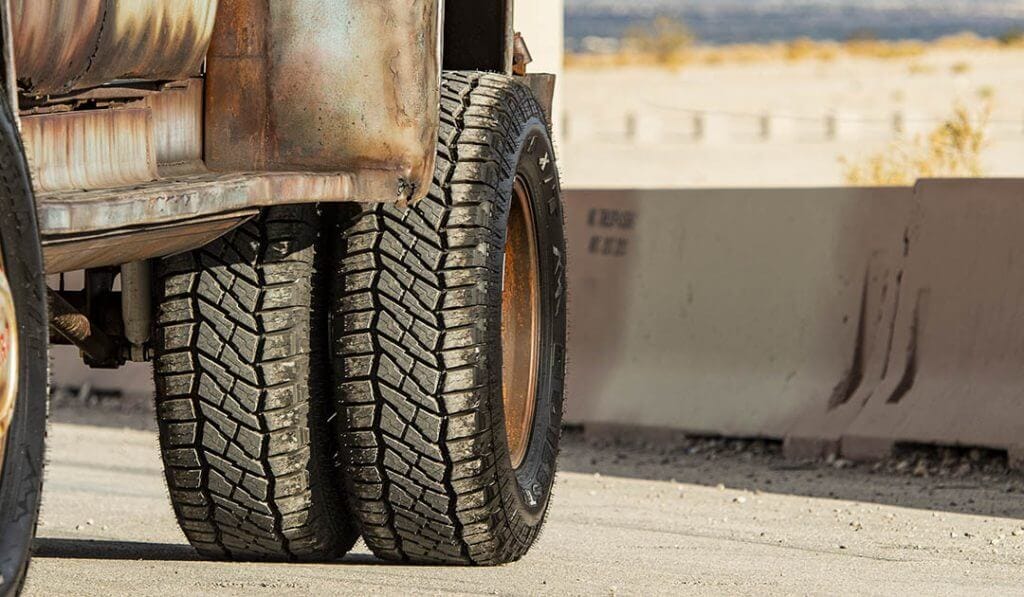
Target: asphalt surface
701,518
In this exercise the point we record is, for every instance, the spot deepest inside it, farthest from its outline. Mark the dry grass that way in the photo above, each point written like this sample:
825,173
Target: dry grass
884,50
952,150
1013,37
665,40
960,68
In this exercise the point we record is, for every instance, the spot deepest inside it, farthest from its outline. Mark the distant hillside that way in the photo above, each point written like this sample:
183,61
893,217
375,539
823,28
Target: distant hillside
742,21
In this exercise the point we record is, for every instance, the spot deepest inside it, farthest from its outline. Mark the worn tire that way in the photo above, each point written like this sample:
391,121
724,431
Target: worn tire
22,472
242,394
417,336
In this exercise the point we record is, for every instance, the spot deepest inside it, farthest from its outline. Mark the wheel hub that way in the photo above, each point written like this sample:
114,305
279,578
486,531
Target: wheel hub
8,360
520,324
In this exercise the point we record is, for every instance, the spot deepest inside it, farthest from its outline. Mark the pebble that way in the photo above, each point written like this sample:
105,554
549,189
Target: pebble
740,500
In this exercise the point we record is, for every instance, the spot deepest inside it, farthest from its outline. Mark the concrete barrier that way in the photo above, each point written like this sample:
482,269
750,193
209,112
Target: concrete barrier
955,373
720,312
842,321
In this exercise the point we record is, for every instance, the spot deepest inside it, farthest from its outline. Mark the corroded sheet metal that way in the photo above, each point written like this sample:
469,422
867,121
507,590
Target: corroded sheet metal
53,40
180,198
178,127
120,246
63,45
289,89
89,149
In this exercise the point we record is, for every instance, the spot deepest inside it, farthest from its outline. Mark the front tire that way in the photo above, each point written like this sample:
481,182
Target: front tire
23,337
449,335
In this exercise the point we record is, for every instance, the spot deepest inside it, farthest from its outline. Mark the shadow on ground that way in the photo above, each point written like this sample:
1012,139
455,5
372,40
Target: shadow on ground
78,406
98,549
95,549
962,481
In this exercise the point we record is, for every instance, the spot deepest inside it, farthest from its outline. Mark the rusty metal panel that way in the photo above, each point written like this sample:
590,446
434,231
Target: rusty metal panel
358,92
63,45
122,246
53,40
89,149
178,127
181,197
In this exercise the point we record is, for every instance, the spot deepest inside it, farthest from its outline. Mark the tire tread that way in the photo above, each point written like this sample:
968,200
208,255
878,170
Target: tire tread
416,311
241,396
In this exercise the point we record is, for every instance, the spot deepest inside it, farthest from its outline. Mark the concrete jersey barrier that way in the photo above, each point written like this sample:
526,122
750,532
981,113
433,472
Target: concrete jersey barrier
841,321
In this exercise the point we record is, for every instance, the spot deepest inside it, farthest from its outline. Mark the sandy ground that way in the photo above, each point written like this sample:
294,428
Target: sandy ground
699,517
864,93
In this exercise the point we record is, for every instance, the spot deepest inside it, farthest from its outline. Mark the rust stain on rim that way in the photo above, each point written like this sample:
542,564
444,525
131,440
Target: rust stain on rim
520,324
8,361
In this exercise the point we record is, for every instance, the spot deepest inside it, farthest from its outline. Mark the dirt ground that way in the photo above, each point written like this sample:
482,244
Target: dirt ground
699,516
863,93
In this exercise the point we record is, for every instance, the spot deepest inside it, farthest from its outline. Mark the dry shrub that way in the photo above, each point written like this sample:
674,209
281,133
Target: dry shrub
964,41
1012,38
959,68
919,68
664,39
952,150
804,48
885,50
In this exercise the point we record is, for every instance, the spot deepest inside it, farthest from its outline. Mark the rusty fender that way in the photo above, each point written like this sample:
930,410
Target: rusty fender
290,90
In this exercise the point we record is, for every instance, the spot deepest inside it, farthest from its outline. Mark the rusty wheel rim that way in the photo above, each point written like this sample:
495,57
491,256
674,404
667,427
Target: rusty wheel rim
520,324
8,360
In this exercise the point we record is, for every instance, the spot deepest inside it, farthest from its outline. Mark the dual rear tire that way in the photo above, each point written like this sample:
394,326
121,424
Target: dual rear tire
434,431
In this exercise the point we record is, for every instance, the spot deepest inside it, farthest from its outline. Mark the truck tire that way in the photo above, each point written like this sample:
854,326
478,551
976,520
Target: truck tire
23,360
449,338
243,397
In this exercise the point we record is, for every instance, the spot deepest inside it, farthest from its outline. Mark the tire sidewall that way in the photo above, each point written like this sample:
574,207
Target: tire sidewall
536,166
21,476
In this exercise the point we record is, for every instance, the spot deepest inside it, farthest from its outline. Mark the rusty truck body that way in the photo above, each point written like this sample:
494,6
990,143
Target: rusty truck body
246,183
